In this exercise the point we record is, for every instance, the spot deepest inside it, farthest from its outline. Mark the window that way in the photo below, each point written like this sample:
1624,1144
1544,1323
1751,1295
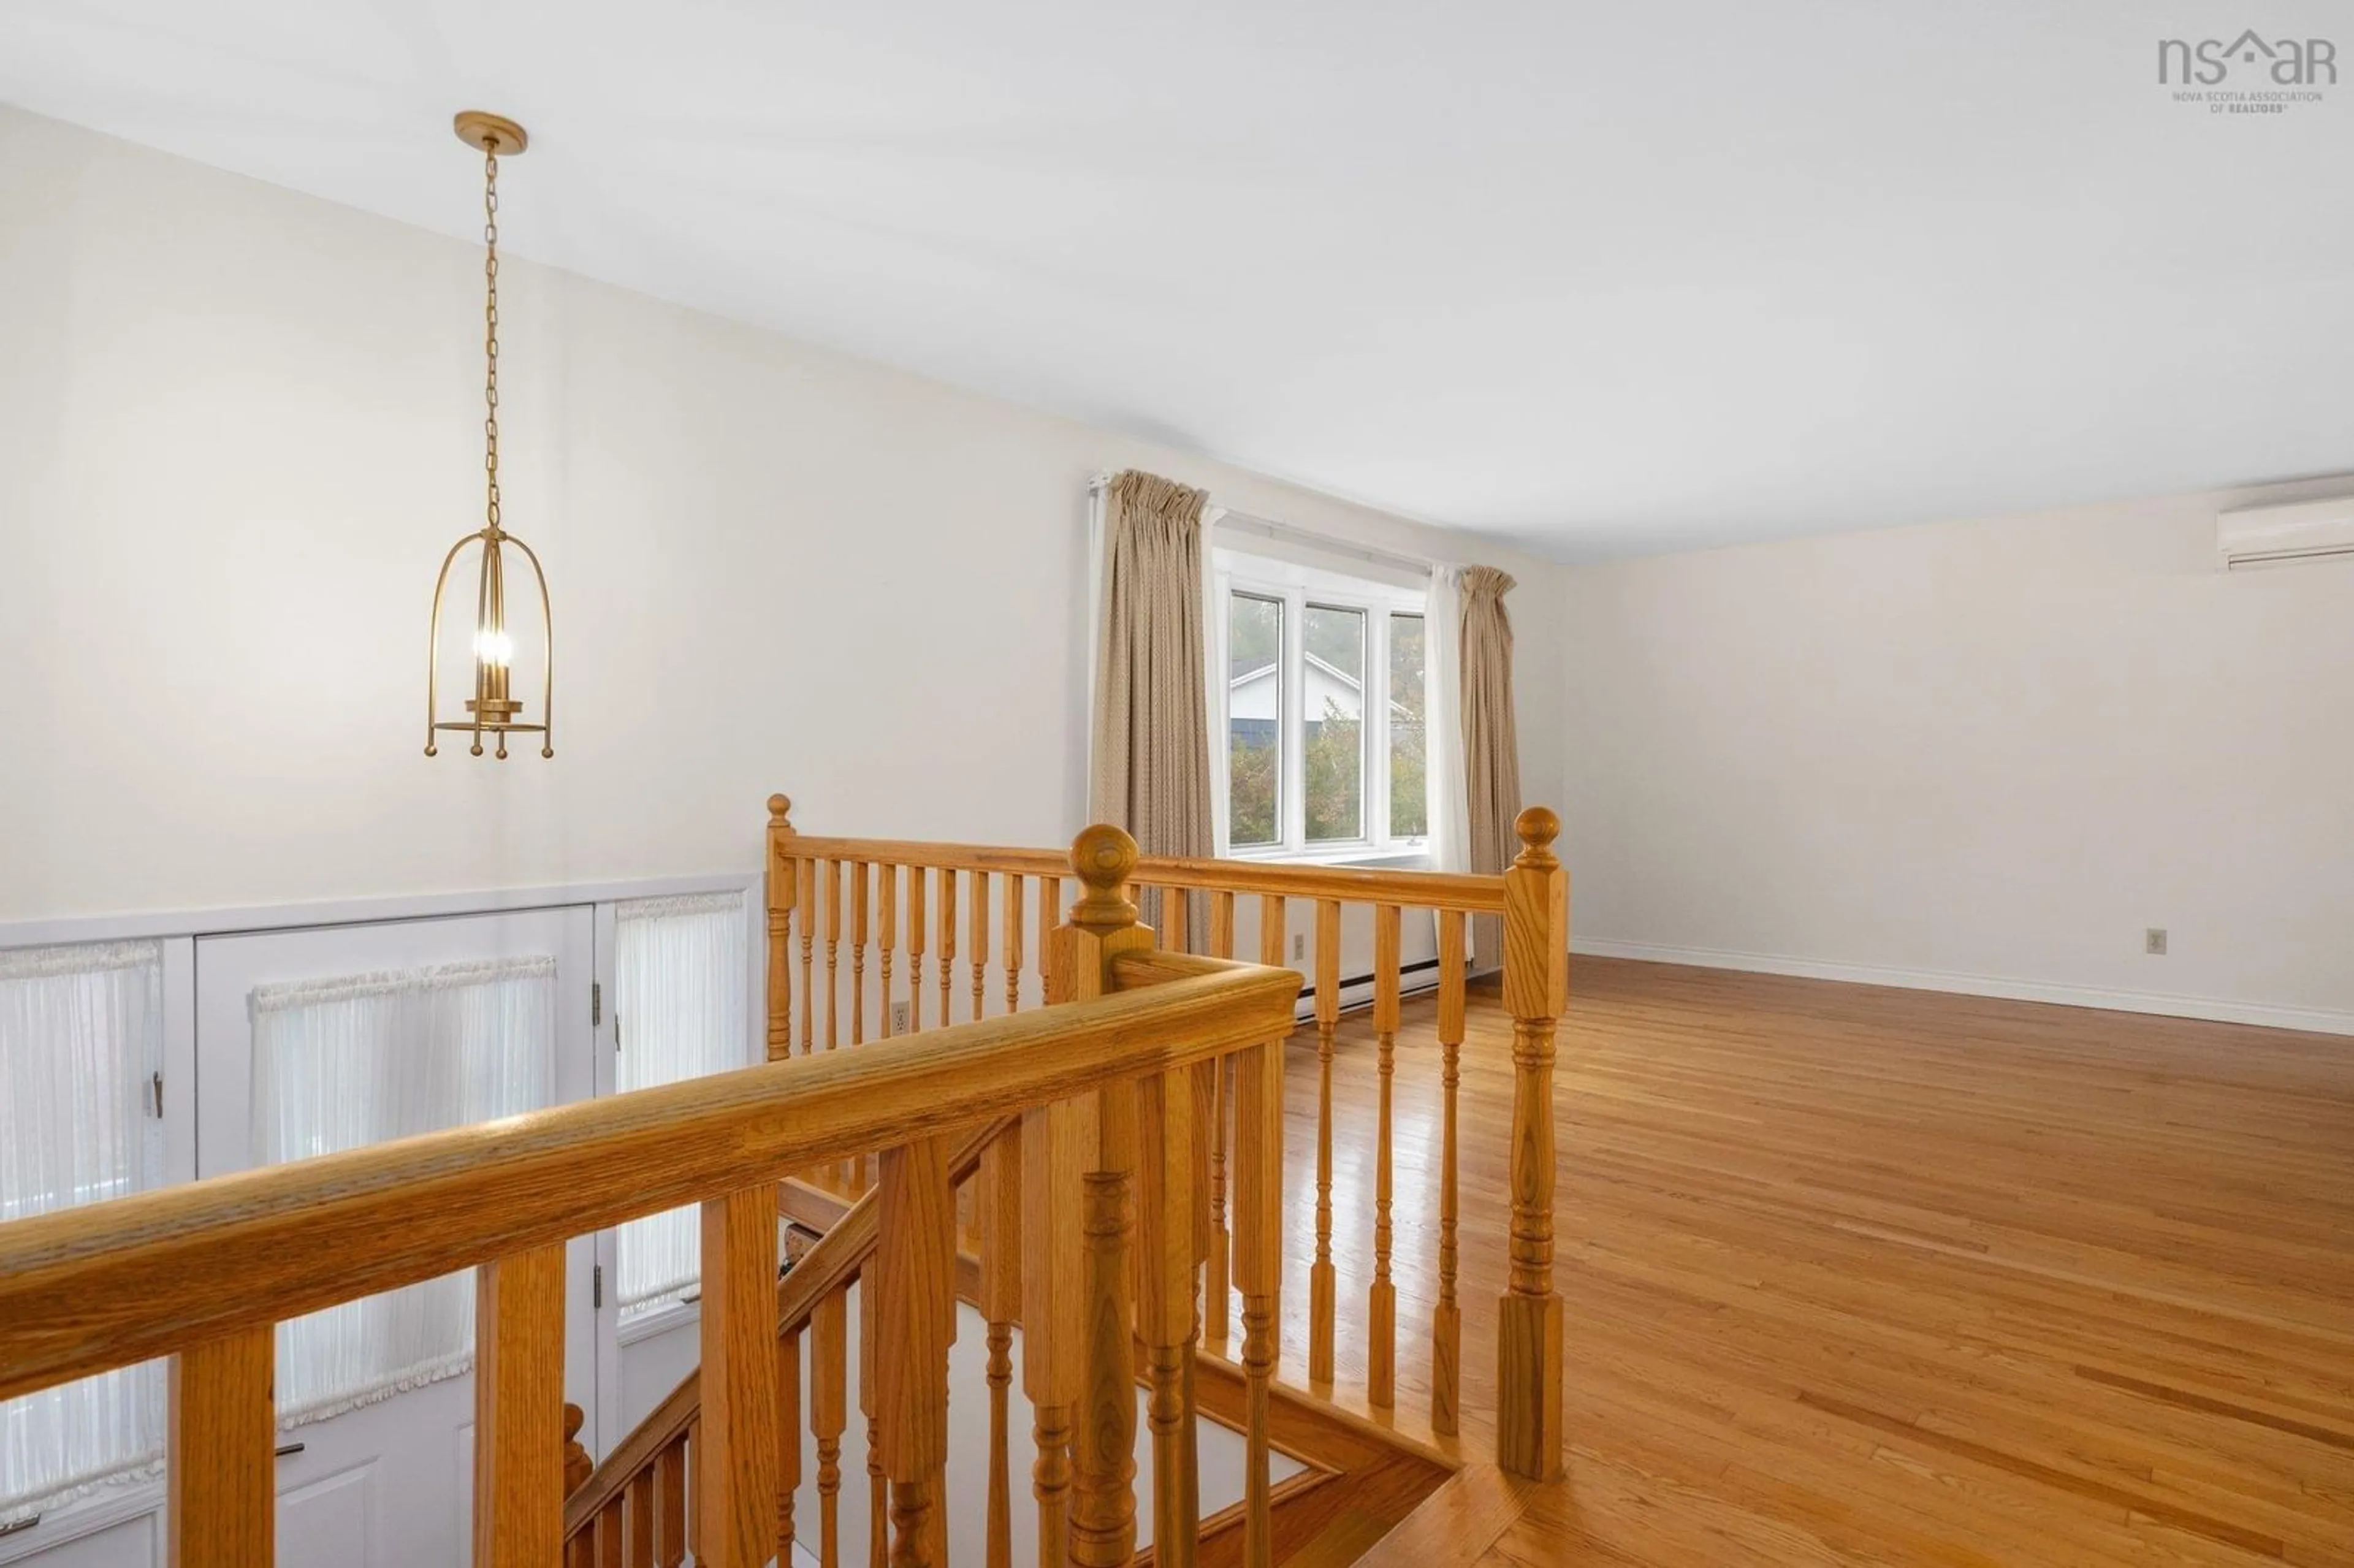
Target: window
81,1037
1253,721
1410,796
679,983
1324,705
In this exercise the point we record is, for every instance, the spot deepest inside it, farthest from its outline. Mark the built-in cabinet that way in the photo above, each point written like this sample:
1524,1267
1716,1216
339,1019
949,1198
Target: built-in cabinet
380,1473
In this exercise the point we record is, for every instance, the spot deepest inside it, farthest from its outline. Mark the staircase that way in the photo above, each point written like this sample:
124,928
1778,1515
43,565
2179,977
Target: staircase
1098,1166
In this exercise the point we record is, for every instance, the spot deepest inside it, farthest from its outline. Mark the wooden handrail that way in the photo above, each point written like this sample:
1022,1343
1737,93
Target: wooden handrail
86,1289
1473,892
1311,918
825,1268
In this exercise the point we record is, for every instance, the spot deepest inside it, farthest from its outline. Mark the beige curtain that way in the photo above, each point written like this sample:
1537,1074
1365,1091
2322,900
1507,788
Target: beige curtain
1151,753
1491,747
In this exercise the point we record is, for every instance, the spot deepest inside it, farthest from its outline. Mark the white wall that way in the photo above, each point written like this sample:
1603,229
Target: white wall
240,425
1987,754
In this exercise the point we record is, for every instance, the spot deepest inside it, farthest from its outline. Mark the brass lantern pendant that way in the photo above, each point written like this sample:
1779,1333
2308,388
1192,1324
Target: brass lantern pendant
494,710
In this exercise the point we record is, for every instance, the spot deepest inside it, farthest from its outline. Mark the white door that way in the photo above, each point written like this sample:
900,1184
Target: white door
324,1038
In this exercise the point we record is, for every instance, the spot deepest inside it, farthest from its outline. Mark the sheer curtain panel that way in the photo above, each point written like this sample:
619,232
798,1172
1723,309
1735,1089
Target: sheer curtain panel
81,1037
340,1063
1450,821
679,1011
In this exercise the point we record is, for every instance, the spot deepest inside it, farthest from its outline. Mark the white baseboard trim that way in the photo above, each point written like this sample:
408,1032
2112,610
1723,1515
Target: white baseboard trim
2316,1020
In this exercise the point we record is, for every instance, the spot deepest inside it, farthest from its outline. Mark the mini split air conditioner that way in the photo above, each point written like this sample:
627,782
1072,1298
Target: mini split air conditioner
2275,535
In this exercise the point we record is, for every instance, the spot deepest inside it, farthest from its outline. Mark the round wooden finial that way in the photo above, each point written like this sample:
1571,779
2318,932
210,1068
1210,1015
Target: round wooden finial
1104,857
780,808
1538,827
487,132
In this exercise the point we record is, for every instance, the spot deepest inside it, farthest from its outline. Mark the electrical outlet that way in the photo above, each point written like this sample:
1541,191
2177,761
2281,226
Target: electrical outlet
898,1018
2153,941
1298,947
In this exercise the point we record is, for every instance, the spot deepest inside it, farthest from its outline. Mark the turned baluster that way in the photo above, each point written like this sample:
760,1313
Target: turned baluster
519,1409
783,881
1000,1187
948,908
857,951
914,949
1320,1277
805,900
914,1281
1216,1308
735,1457
789,1440
1053,1143
1447,1321
1381,1304
1536,992
1164,1236
1014,883
828,1413
887,932
887,928
830,874
830,896
878,1491
1258,1257
977,941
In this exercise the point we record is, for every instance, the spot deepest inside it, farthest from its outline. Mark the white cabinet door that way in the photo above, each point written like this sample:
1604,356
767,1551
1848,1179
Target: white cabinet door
387,1479
689,971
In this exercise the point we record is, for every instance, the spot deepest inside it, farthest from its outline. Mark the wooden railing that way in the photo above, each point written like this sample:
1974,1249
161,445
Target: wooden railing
1104,1087
626,1512
834,903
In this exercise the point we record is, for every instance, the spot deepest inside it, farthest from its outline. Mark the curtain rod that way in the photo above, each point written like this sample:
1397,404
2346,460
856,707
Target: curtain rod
1250,523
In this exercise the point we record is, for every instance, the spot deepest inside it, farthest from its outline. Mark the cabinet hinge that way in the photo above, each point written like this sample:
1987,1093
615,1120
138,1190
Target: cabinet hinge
596,1286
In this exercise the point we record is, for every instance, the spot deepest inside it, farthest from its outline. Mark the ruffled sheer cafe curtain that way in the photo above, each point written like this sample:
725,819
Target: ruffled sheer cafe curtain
679,983
81,1032
341,1064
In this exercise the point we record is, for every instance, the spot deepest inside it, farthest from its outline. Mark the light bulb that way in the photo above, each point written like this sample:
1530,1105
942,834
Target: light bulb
493,648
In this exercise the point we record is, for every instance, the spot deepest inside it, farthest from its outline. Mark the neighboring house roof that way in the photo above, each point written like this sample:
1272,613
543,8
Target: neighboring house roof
1329,670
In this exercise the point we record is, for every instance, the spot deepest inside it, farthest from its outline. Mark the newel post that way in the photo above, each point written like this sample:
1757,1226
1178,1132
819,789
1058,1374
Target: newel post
1536,992
1088,1175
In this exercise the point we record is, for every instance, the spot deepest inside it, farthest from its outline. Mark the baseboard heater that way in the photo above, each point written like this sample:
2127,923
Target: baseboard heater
1416,979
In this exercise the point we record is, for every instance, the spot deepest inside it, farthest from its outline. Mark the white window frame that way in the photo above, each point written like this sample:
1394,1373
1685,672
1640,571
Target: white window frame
1298,589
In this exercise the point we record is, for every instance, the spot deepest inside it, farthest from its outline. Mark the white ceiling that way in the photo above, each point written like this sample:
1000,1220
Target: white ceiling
1600,279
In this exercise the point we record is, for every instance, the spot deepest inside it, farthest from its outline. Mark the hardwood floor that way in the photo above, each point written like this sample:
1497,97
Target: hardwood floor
1864,1276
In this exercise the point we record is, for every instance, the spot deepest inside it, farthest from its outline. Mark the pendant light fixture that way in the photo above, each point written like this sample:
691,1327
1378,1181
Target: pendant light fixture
493,710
